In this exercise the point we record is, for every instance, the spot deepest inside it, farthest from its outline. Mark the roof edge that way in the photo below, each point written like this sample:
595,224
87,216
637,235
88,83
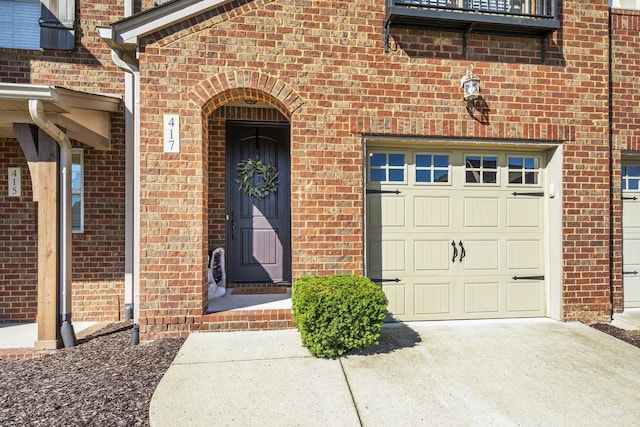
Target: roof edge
129,30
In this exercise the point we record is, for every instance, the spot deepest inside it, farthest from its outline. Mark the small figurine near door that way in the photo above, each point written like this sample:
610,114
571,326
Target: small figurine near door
217,278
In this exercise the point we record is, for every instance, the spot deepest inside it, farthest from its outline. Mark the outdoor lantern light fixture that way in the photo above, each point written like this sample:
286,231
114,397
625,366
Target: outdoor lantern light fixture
470,85
476,105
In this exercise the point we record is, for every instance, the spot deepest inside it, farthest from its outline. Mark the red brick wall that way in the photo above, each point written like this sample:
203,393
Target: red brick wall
98,254
323,66
625,46
18,241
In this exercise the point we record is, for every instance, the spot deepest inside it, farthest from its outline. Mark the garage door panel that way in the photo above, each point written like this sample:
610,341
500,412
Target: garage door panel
394,256
432,211
386,211
389,254
481,298
432,255
432,298
524,212
525,296
396,296
481,255
524,254
631,250
632,292
480,212
631,216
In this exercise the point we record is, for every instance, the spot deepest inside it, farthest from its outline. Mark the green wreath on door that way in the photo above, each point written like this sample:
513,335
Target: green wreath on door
268,182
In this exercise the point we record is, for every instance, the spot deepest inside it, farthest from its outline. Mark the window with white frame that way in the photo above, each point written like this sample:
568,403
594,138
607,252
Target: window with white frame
432,168
631,177
387,167
19,26
524,170
481,169
77,191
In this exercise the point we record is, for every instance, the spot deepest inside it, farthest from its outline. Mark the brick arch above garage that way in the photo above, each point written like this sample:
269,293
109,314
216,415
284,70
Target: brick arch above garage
223,88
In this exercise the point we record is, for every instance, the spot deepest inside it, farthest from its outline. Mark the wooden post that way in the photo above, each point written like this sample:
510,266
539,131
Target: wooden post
42,155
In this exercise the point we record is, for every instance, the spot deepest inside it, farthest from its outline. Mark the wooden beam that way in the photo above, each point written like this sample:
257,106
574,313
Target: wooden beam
42,155
27,135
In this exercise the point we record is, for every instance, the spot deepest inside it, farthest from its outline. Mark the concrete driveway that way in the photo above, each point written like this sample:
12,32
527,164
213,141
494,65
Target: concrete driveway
485,373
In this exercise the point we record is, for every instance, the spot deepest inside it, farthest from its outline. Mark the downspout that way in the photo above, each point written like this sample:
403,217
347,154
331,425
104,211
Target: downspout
132,135
611,177
38,117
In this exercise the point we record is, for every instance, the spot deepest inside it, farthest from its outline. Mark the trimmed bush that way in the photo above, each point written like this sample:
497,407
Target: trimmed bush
337,313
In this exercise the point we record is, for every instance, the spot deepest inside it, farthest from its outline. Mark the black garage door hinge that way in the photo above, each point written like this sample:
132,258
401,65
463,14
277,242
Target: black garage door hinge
383,191
515,193
528,277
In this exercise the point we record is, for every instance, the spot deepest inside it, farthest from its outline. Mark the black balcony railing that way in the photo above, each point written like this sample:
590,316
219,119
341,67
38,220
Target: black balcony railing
526,18
533,8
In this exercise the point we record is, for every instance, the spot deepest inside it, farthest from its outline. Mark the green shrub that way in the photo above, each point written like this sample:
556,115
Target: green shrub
337,313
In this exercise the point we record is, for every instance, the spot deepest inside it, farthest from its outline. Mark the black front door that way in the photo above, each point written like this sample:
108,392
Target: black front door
259,219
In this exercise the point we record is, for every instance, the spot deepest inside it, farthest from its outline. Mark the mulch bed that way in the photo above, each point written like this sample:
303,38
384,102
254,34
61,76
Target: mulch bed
104,381
631,337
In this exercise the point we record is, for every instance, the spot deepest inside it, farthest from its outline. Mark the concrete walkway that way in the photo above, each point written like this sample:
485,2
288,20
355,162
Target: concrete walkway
485,373
23,335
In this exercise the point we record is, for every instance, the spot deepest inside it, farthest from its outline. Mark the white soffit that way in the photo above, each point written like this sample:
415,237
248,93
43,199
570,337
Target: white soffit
84,117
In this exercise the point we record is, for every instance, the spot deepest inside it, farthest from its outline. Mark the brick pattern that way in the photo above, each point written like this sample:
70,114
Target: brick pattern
322,67
625,45
331,78
237,320
586,216
18,234
98,254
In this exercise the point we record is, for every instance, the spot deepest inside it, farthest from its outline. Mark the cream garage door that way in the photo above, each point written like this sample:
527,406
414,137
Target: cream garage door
631,233
456,234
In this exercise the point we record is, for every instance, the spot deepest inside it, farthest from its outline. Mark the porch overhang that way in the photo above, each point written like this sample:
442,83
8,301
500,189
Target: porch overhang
84,117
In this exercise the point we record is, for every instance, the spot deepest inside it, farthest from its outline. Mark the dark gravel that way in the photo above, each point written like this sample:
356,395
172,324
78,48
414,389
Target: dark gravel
104,381
631,337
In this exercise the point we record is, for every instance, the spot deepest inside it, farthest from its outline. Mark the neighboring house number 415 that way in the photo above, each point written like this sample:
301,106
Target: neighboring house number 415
15,182
171,133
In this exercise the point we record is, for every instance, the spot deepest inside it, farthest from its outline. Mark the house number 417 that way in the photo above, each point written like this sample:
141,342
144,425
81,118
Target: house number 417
171,133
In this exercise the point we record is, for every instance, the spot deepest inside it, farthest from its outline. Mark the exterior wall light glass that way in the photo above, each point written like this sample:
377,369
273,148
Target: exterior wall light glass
470,85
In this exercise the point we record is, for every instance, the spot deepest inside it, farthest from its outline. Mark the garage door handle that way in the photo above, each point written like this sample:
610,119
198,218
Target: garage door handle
455,251
463,253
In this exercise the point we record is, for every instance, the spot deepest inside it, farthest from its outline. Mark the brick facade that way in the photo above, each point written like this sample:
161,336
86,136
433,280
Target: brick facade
322,67
625,96
98,253
18,257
